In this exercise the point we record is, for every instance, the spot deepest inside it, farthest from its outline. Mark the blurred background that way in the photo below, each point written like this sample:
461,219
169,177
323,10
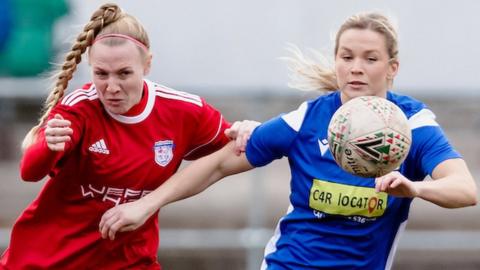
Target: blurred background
228,52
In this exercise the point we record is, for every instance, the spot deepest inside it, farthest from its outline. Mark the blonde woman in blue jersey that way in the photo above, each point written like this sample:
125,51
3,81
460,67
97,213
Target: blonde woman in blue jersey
331,223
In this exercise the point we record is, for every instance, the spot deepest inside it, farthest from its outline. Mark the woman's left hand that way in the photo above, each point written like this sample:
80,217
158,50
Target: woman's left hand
396,184
240,131
122,218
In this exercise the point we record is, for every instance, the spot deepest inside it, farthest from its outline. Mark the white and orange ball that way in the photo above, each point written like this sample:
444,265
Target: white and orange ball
369,136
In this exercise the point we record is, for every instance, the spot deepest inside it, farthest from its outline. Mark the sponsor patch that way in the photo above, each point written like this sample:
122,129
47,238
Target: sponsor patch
346,200
163,152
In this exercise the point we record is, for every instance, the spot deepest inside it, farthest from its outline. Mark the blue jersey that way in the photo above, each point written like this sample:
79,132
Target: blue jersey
336,220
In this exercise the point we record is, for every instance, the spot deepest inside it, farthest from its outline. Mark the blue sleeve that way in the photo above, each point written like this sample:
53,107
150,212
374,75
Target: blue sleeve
269,141
430,147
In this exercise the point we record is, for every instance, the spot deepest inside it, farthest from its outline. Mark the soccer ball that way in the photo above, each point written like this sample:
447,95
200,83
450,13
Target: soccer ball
369,136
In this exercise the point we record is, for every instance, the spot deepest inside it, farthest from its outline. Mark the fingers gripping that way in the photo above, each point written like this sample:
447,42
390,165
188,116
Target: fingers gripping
232,132
240,131
57,132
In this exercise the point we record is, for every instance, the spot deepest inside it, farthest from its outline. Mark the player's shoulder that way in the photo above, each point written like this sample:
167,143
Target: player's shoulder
80,97
321,102
417,112
323,107
313,109
176,97
324,101
409,105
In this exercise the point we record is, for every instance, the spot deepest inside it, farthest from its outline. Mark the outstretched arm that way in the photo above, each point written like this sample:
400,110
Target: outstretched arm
192,180
39,159
452,187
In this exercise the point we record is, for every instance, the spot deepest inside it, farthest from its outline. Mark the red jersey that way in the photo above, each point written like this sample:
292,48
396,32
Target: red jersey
111,159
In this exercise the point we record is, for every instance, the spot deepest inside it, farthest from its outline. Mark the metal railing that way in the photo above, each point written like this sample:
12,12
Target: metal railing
256,238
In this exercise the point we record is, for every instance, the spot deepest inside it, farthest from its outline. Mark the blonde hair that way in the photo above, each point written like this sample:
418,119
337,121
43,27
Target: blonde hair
318,73
108,19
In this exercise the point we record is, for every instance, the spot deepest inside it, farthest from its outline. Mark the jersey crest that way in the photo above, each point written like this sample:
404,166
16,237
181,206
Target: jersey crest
163,152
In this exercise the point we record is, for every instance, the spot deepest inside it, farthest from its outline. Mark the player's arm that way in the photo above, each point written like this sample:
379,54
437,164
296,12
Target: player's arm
189,181
453,185
211,131
40,157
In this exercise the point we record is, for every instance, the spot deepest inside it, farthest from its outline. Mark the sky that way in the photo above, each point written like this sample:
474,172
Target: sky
224,46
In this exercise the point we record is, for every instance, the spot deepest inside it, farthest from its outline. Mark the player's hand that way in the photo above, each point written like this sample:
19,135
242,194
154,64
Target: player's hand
122,218
240,131
396,184
58,132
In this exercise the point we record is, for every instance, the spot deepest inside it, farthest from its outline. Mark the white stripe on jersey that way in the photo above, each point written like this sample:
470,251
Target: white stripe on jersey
213,138
423,118
393,248
168,90
295,118
73,95
75,101
68,98
272,243
79,95
143,115
177,97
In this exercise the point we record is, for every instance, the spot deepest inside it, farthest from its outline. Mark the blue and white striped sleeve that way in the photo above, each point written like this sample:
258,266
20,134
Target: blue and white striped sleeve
273,139
430,145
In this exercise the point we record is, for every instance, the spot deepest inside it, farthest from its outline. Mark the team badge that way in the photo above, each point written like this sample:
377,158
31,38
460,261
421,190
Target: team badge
163,152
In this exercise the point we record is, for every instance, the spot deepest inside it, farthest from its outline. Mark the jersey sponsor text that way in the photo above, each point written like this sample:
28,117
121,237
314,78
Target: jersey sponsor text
346,200
112,194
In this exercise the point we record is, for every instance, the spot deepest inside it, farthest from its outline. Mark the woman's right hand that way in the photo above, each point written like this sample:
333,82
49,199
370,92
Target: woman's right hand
58,132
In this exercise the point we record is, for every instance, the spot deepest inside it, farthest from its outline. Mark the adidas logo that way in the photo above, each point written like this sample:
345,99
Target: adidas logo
99,147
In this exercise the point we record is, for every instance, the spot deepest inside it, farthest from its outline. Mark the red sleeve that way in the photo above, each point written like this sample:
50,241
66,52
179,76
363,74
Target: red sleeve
209,133
38,160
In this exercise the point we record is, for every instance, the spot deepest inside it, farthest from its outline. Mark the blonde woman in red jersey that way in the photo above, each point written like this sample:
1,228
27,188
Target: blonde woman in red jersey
110,142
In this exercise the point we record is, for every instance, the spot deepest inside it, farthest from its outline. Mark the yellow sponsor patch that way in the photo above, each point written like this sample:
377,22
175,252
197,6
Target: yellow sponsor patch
345,200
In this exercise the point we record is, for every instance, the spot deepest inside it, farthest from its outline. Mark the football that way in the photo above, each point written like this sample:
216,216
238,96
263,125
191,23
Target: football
369,136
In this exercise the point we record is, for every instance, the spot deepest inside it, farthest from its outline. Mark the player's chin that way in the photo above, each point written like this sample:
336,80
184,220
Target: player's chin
353,92
116,109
